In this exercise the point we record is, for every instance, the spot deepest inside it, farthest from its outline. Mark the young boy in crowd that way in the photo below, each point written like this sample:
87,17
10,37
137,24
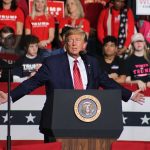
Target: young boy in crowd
29,64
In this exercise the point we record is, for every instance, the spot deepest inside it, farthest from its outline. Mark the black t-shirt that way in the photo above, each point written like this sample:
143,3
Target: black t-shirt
117,66
138,68
25,66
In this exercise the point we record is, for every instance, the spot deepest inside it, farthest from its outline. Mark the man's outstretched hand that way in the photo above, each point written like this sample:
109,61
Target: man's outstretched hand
138,97
3,97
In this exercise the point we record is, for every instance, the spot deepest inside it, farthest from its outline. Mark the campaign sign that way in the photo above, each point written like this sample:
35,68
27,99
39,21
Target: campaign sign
55,8
142,7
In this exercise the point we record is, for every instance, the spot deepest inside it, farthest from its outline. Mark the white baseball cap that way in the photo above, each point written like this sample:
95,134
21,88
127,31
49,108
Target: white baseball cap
137,37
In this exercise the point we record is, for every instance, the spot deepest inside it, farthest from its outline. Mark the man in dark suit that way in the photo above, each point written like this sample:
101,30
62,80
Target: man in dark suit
57,72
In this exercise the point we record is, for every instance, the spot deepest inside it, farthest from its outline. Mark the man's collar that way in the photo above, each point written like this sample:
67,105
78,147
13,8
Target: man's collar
71,59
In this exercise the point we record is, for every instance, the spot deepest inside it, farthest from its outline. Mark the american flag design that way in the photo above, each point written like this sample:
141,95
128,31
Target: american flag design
25,117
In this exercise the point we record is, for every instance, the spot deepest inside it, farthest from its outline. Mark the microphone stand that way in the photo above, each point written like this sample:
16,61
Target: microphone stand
9,110
8,67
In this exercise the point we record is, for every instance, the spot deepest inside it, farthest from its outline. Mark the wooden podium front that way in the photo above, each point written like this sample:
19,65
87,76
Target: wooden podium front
86,144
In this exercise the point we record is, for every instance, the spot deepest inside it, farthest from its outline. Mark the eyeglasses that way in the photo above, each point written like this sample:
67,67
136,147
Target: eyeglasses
70,41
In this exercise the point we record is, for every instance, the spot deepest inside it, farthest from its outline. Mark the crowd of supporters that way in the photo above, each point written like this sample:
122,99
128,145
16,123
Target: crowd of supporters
113,37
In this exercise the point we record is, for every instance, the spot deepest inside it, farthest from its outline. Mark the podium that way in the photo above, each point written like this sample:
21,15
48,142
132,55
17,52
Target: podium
77,134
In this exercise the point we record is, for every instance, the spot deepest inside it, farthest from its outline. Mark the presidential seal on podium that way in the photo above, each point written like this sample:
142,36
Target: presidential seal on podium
87,108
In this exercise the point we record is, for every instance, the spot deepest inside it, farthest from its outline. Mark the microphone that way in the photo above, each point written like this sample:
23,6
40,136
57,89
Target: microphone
83,52
83,55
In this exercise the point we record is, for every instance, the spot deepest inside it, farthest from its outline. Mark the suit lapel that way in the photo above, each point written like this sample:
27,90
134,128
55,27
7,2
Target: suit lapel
68,83
88,71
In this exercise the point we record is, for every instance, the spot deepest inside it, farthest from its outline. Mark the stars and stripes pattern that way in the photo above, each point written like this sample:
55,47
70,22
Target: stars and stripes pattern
25,118
20,117
33,118
122,29
136,119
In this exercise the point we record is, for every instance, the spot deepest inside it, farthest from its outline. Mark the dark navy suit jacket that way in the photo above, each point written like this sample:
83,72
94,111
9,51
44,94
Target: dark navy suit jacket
55,74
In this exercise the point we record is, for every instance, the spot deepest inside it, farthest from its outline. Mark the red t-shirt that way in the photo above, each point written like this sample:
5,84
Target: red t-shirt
92,9
81,22
10,18
24,6
40,26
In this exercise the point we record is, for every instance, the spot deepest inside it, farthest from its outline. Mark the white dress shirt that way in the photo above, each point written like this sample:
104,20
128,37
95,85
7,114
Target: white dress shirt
81,67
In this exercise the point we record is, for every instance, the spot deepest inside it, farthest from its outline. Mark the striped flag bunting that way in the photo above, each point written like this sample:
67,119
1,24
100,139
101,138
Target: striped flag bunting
25,117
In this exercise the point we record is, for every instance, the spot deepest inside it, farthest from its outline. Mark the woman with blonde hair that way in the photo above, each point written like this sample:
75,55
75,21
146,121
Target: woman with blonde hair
74,17
138,63
146,52
39,23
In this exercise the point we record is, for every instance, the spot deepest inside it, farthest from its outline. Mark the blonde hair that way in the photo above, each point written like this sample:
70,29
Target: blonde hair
80,11
146,52
33,14
75,31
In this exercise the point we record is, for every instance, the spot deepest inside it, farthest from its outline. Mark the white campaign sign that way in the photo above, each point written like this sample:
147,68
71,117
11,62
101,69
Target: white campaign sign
142,7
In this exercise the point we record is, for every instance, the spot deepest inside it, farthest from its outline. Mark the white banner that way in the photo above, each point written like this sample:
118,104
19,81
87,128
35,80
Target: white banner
25,118
136,120
142,7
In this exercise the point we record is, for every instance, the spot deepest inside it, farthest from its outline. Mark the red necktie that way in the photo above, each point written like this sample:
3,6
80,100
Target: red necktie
77,77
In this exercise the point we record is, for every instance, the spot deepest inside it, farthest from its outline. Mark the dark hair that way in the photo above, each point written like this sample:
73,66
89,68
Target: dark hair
110,38
13,6
9,41
30,39
124,1
7,29
125,6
